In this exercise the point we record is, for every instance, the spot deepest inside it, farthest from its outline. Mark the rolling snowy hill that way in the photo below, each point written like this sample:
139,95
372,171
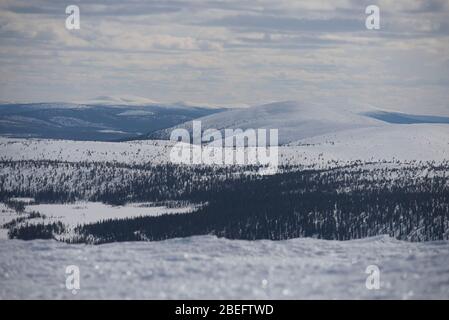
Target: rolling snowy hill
296,120
293,119
389,142
404,143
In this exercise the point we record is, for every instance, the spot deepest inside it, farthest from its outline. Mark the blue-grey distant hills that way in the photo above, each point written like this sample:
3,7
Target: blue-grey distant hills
102,122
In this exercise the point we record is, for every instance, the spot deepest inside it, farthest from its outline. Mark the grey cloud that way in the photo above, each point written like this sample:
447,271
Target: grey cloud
33,9
97,8
296,42
125,8
429,6
278,24
215,50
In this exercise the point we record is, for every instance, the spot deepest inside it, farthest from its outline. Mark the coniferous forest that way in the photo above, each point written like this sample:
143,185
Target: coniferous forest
408,202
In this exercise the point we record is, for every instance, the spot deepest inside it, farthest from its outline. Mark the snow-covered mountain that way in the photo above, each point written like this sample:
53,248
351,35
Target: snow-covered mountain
130,100
124,100
296,120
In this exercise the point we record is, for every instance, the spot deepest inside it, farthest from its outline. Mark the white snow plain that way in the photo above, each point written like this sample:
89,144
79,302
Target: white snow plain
85,212
206,267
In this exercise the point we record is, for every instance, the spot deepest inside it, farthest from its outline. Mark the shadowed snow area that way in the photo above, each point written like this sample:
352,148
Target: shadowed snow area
207,267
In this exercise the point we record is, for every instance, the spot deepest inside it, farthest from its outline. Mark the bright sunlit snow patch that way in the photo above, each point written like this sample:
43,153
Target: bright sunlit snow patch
78,213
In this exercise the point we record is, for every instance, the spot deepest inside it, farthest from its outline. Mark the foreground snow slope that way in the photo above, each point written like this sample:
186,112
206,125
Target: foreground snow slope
210,268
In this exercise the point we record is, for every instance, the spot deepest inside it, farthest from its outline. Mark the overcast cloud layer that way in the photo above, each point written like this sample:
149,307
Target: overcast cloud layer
228,52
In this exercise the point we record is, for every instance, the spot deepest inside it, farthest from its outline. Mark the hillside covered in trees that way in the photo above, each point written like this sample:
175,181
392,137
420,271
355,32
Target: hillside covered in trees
406,201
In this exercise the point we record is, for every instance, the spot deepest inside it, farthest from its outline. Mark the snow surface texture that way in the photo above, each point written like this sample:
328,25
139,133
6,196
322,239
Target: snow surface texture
207,267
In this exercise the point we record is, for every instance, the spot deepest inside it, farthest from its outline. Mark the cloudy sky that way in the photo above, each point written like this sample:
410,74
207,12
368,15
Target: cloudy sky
228,52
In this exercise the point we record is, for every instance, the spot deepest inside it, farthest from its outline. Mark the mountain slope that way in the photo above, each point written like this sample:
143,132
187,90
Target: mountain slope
294,120
404,143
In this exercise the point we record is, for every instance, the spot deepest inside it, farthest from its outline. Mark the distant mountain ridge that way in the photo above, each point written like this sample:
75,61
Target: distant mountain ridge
117,119
92,122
